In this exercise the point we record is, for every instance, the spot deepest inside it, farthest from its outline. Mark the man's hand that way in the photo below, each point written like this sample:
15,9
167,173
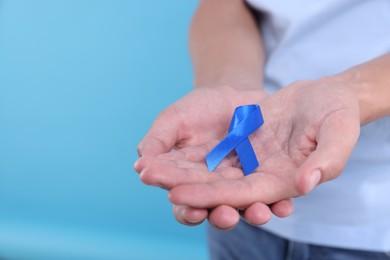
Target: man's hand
309,132
191,127
199,118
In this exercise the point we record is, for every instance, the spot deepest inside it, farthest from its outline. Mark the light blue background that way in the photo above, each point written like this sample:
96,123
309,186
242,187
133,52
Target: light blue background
80,83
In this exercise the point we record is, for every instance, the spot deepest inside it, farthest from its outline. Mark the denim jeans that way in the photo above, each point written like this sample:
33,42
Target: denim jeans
248,242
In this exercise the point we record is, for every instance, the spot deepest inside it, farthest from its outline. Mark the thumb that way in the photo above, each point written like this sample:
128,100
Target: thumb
336,139
162,136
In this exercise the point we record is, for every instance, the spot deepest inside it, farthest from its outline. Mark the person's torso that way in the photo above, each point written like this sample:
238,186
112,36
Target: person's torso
311,39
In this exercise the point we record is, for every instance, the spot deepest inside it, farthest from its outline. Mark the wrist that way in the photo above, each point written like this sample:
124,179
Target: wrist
237,82
370,82
362,89
236,95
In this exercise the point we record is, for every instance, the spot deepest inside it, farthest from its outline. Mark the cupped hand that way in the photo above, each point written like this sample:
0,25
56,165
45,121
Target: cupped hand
309,132
200,117
200,120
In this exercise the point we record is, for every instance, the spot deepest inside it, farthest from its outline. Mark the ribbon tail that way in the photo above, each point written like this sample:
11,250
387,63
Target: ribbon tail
247,156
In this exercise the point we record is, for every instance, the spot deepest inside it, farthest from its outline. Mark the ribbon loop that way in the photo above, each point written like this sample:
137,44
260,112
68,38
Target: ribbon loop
246,119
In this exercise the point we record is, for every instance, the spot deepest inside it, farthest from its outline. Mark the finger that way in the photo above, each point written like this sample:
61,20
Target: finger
189,216
224,217
141,163
190,153
335,142
283,208
198,154
195,154
164,161
168,174
257,214
237,193
162,136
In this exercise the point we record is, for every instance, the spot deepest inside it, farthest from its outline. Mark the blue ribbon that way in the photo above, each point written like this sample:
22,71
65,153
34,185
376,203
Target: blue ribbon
246,119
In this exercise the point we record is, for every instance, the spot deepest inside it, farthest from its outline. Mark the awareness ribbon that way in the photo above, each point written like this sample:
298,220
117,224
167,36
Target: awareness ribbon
246,119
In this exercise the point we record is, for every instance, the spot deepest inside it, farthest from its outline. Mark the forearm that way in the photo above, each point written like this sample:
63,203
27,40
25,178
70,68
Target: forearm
225,45
371,82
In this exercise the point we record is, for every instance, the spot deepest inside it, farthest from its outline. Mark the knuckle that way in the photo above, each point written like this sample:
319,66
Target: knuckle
139,149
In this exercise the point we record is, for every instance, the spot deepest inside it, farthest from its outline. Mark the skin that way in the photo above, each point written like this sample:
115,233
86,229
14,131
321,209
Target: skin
297,146
310,127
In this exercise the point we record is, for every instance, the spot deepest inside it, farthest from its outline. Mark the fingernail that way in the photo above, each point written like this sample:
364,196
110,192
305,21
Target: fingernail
179,210
314,179
192,221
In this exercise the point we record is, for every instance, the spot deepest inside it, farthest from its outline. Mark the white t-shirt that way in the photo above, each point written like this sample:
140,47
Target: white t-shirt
309,39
